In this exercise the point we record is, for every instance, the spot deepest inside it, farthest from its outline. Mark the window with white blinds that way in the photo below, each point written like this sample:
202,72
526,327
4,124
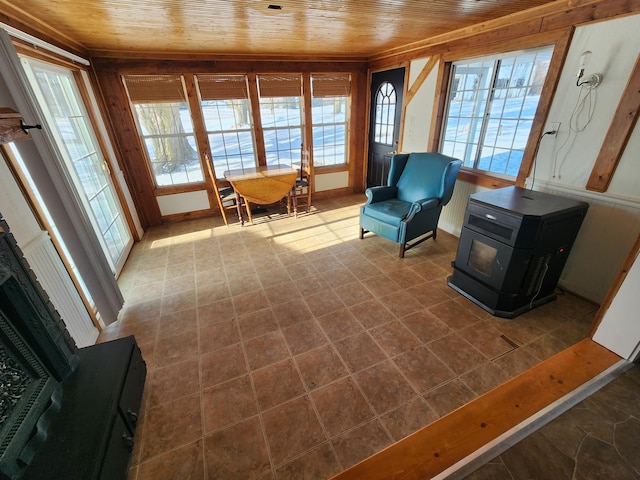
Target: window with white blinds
226,109
281,103
329,117
164,124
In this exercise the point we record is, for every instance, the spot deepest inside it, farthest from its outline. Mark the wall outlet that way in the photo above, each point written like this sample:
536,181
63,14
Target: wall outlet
553,127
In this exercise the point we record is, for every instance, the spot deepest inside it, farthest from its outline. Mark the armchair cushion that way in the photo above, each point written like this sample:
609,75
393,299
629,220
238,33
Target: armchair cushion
391,211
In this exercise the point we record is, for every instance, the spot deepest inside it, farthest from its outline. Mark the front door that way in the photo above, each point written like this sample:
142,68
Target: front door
384,123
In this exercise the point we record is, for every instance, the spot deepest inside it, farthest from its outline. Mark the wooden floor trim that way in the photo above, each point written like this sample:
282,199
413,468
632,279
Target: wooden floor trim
443,443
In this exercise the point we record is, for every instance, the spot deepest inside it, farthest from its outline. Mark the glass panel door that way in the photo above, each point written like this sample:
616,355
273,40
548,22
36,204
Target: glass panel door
67,119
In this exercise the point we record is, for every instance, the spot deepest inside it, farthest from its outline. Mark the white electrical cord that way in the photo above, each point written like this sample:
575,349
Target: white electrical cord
574,119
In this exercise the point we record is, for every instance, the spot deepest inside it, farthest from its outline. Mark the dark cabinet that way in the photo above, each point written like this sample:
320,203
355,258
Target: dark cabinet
92,435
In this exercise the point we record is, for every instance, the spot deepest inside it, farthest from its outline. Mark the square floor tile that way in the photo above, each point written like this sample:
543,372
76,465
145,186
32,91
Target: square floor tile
355,445
384,386
266,350
423,369
228,403
172,425
222,365
321,366
238,452
277,384
341,406
186,462
359,351
292,428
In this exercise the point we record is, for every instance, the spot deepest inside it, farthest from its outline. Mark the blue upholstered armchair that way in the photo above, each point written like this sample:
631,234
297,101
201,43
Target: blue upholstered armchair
409,207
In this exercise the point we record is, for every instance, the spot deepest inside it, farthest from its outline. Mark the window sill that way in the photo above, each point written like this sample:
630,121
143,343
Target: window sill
330,169
182,188
484,179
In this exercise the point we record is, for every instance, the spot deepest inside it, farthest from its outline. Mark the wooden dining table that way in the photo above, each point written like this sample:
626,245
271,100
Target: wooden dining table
261,185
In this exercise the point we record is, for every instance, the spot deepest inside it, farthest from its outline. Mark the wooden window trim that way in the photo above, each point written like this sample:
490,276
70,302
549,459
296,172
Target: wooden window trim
183,188
561,48
484,179
28,50
344,167
560,51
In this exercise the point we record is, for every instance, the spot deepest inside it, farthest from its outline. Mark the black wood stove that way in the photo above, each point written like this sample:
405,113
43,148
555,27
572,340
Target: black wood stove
513,246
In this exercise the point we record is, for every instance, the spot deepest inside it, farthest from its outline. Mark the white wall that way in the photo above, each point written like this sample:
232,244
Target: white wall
620,328
419,109
613,221
568,158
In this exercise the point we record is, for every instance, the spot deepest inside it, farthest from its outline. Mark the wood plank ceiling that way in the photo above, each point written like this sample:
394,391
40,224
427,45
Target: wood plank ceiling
355,29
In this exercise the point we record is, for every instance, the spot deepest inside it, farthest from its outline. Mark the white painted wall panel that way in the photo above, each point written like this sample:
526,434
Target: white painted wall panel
183,202
619,330
329,181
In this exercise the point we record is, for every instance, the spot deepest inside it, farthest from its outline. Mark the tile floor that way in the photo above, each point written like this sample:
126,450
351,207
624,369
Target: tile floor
291,349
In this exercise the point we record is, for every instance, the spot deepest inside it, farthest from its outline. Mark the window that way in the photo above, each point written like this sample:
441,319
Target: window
490,109
227,118
164,124
385,113
329,118
68,120
281,116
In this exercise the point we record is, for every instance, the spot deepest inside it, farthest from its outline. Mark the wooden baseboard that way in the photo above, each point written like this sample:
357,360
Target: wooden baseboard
458,434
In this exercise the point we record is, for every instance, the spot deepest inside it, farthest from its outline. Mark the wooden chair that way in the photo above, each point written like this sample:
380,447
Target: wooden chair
226,195
300,194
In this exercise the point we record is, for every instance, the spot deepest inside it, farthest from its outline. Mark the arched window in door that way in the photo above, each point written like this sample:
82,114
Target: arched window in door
385,113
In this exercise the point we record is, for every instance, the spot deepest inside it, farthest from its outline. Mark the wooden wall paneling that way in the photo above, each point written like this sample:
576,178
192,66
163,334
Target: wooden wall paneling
359,129
576,14
621,128
544,105
127,143
509,33
224,66
481,47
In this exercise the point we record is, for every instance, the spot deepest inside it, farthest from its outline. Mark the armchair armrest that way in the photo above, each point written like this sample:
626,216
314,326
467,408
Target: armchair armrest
381,193
424,204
